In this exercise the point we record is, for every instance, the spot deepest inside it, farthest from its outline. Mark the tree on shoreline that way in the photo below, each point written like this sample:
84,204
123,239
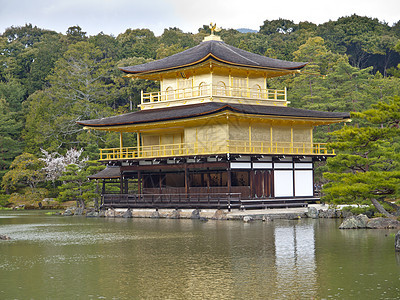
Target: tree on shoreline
368,167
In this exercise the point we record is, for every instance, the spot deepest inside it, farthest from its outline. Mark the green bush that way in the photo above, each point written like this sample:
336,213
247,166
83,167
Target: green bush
365,210
4,200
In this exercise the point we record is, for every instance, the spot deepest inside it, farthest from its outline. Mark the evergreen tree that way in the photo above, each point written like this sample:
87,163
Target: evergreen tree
76,185
81,87
368,164
10,141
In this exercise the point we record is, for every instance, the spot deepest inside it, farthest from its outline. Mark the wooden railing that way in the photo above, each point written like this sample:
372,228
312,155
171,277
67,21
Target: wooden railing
219,147
203,200
208,200
215,90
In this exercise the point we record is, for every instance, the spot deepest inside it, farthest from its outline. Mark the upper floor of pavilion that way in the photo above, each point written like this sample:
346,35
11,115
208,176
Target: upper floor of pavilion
213,71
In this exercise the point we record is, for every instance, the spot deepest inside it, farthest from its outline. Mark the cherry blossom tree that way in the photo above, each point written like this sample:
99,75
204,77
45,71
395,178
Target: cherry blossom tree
55,163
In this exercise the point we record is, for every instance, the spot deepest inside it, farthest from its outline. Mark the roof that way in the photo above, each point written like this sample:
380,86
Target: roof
108,173
218,51
208,108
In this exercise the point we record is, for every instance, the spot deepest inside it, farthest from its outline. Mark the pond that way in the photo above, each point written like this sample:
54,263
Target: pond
54,257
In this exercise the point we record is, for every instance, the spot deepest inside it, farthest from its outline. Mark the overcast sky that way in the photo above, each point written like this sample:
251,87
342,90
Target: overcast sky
115,16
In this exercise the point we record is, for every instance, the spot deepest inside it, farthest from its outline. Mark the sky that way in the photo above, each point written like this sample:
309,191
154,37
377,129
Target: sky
115,16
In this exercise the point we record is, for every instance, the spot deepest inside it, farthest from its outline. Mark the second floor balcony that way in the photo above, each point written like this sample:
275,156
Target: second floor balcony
212,148
208,92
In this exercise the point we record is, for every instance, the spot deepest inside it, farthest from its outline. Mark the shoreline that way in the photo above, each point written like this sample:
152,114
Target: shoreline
312,211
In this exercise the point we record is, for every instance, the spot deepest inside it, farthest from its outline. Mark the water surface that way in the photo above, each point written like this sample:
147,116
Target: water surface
52,257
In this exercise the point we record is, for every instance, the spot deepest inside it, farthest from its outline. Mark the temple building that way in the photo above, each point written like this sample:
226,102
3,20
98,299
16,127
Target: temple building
214,135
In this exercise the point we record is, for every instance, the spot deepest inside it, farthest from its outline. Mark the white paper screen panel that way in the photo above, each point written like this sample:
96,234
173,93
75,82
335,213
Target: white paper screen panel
283,183
303,181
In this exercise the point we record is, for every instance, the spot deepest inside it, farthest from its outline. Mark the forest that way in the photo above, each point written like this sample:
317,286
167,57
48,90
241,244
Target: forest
50,80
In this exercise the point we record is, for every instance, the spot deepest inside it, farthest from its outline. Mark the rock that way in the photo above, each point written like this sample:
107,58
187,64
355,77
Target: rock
102,214
155,215
346,214
247,219
219,215
267,219
68,212
203,219
118,214
127,214
110,213
174,215
4,237
330,213
293,217
383,223
397,242
354,222
312,213
78,211
92,214
195,214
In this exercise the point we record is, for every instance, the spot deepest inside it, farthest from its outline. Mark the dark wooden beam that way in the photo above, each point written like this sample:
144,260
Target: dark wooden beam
222,165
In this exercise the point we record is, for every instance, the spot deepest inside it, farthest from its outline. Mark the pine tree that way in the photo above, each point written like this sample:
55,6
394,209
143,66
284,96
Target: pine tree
368,166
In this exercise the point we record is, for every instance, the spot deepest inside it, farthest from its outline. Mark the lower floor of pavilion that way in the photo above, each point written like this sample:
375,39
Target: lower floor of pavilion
221,182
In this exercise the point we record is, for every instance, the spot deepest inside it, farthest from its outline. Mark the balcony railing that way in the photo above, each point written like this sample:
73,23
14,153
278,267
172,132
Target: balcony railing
210,148
215,90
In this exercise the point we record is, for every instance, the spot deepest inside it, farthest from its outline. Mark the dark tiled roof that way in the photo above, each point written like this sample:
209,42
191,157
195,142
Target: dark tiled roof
107,173
202,109
217,50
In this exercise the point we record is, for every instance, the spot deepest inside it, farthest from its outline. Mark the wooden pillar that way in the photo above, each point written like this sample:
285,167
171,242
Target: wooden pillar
291,139
311,141
186,180
229,180
272,184
120,145
250,136
271,134
160,182
126,185
121,183
138,143
103,191
251,181
208,180
139,182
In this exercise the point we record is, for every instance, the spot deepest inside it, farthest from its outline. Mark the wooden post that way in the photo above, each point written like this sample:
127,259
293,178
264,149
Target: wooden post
160,182
270,130
186,180
229,180
291,140
121,183
311,141
208,180
251,179
126,185
250,137
139,183
120,145
138,143
103,189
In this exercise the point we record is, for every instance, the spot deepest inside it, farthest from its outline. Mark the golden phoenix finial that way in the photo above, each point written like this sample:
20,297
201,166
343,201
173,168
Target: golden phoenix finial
214,28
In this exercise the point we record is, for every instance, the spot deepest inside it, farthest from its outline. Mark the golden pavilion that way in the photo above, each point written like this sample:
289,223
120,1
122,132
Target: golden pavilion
214,135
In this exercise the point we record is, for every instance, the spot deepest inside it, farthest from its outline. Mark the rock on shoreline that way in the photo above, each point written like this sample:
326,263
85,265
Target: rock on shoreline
350,221
362,221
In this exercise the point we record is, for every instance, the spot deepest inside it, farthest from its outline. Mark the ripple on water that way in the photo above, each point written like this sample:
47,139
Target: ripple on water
70,234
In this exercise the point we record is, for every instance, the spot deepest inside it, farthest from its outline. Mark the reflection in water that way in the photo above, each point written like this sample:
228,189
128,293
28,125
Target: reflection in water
69,258
295,260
